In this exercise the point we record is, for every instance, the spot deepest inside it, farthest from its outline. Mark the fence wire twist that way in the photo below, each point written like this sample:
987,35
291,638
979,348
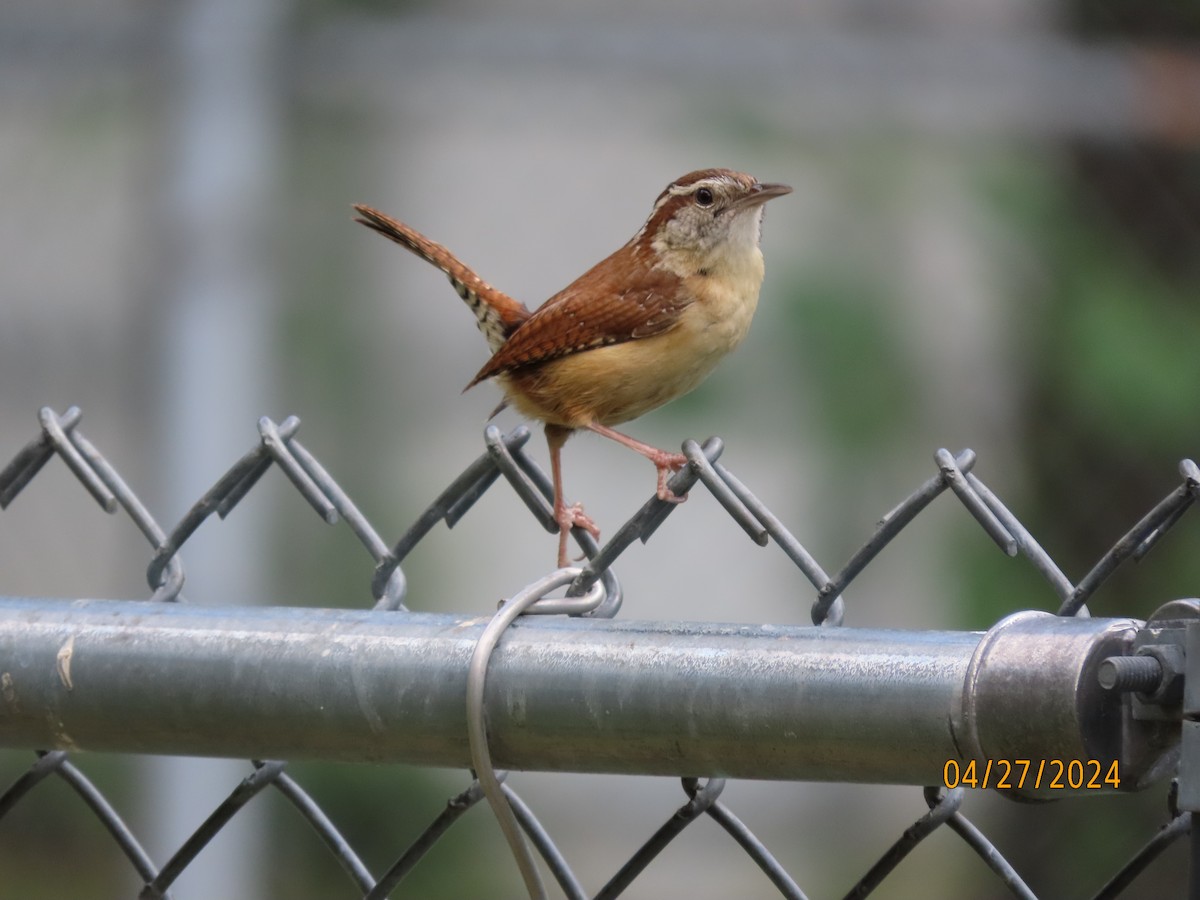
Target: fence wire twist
592,590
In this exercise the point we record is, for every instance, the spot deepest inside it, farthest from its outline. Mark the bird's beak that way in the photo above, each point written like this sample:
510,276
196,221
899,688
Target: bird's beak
759,194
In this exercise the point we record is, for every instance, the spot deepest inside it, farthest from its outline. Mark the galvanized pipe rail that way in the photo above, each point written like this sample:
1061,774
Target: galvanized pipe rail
565,694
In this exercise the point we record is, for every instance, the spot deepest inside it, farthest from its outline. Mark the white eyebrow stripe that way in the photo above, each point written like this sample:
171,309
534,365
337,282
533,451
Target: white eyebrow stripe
712,182
677,190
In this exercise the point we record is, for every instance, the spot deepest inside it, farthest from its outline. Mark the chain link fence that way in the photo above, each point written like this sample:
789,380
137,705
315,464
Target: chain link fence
1100,699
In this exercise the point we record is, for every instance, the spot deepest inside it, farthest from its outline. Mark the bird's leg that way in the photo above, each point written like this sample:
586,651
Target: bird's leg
567,517
666,463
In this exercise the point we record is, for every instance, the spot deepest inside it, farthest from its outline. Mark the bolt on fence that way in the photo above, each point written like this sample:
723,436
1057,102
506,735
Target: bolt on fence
1040,706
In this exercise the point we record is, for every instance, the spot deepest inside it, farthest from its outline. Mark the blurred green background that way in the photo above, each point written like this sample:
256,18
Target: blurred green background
994,242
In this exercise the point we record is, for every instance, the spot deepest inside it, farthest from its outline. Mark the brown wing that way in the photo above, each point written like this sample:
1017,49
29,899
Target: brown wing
598,309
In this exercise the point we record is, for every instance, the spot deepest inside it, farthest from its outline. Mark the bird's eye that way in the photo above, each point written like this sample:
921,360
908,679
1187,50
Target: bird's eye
704,197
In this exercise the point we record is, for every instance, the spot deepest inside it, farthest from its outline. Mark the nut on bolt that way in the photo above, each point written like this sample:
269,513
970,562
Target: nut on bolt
1130,673
1155,672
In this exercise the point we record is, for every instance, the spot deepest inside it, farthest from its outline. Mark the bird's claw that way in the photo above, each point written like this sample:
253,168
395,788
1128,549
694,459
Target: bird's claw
569,517
667,465
573,516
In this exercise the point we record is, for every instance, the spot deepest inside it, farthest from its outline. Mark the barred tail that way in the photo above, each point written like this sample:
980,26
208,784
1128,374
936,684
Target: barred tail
496,313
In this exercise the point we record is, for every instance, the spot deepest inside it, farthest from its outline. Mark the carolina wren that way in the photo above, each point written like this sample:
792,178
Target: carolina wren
637,330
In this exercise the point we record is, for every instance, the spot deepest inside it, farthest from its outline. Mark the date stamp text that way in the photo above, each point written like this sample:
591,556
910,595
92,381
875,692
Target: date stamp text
1032,774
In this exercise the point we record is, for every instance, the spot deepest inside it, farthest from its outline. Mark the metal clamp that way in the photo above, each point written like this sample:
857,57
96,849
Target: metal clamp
1153,672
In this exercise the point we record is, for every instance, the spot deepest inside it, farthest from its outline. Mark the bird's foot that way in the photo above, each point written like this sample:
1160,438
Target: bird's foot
667,465
569,517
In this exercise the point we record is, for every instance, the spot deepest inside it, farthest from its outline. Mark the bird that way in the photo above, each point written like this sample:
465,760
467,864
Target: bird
640,328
